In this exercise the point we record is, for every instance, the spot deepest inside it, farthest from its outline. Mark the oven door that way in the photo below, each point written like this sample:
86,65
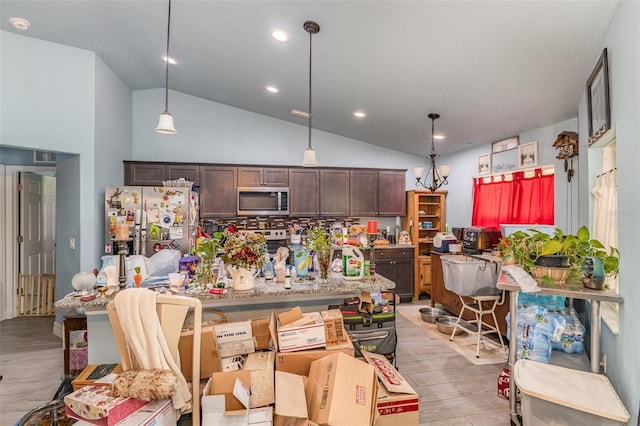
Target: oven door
262,201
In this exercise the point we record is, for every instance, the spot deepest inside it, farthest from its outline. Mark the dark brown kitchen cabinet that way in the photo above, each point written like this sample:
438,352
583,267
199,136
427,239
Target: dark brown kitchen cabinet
391,195
450,300
190,172
144,174
397,265
303,192
218,192
377,192
334,192
153,174
263,176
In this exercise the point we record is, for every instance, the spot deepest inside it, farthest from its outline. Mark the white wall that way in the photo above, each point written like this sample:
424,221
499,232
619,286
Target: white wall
623,46
216,133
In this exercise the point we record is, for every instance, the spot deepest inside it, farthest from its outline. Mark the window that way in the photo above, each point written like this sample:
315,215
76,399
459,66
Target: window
605,217
523,197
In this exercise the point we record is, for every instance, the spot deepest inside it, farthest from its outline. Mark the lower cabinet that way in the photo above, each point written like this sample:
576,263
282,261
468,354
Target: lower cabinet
423,276
397,264
451,302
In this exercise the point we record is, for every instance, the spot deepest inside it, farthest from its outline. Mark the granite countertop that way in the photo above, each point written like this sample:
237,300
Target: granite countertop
334,285
388,246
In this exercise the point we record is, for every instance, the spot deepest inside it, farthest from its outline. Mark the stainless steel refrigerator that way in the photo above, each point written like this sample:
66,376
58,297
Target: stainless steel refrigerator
158,218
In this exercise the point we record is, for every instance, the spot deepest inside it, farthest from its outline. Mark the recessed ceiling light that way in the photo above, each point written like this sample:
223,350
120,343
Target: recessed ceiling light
439,137
298,113
171,60
279,35
272,89
359,114
20,24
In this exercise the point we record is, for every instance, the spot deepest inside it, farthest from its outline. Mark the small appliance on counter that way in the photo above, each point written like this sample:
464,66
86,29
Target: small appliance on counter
478,239
442,240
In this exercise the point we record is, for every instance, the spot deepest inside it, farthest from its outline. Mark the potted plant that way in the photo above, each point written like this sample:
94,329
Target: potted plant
535,252
244,255
207,249
320,241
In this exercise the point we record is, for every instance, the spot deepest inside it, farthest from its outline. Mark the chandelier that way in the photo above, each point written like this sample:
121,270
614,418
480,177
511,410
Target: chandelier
435,176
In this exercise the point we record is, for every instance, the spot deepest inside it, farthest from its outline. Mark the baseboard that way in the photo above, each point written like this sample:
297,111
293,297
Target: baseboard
57,329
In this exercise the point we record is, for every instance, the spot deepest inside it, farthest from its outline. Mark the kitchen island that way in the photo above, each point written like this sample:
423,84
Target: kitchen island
311,295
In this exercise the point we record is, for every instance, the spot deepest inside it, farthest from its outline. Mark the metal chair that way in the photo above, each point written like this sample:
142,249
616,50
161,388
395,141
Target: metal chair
474,278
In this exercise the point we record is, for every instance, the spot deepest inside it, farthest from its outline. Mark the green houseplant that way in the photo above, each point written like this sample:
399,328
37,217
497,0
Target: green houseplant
529,249
207,249
320,241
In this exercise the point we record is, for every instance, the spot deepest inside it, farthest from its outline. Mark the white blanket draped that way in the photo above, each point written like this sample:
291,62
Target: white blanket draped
136,308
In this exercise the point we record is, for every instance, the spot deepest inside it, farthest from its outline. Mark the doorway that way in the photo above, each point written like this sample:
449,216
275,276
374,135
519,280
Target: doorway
39,256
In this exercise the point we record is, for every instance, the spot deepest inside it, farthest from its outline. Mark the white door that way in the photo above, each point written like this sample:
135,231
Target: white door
37,223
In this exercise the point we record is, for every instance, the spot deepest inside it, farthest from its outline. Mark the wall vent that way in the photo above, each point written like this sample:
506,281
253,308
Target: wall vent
44,157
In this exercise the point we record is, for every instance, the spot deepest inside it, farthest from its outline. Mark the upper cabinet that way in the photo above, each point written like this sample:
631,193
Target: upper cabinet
263,176
334,192
190,172
218,191
377,192
303,192
313,192
144,174
152,174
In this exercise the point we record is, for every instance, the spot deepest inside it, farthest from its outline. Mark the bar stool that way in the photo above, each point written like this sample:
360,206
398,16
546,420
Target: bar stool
474,278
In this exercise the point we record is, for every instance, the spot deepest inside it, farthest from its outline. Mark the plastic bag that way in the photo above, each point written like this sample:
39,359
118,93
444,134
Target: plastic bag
163,263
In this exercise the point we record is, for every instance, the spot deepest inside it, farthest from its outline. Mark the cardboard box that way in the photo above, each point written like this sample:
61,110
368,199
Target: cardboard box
334,331
341,390
304,333
232,363
291,402
261,365
234,338
397,402
155,413
209,358
96,375
216,411
96,405
261,333
300,362
224,383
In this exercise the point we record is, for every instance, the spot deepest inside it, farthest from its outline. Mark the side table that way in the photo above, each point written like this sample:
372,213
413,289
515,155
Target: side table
72,322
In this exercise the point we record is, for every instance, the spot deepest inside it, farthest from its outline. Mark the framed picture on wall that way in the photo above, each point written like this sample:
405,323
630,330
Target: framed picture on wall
598,99
505,145
484,164
528,155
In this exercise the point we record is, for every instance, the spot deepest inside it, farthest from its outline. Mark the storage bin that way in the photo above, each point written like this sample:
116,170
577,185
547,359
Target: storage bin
559,396
467,276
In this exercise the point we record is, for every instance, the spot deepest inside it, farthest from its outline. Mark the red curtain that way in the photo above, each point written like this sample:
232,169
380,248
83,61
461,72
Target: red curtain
521,200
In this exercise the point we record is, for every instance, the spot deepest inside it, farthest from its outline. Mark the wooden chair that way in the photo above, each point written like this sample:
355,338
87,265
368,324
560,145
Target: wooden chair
172,311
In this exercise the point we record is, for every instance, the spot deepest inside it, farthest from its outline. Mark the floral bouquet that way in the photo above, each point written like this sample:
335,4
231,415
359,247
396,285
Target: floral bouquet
245,250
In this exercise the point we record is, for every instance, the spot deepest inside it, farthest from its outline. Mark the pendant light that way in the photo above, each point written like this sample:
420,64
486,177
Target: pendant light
438,174
309,159
165,123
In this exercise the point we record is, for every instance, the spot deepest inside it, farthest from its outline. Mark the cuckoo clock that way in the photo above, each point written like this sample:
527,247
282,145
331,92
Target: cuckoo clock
567,145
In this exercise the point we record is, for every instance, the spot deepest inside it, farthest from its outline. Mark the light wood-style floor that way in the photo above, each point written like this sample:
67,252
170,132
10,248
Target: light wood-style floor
452,390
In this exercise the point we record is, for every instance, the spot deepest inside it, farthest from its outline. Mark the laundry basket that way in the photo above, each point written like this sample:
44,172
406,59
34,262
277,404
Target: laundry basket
467,276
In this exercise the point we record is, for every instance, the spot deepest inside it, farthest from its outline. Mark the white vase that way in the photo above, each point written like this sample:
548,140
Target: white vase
243,278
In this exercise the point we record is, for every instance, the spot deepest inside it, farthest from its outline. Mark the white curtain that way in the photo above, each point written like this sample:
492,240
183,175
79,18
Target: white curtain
605,214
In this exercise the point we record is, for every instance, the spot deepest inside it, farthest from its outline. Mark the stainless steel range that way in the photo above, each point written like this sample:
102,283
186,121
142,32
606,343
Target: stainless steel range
276,238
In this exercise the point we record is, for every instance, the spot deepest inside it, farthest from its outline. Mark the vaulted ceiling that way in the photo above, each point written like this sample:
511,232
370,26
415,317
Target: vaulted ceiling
492,69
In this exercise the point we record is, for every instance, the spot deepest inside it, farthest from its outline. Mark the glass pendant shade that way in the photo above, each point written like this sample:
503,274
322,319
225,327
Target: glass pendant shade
417,172
309,159
165,124
444,171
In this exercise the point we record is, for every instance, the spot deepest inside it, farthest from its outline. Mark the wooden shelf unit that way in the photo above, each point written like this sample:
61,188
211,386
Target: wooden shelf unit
424,206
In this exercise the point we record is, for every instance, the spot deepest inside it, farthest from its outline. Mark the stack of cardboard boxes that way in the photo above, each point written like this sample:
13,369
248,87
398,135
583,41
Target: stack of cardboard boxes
307,375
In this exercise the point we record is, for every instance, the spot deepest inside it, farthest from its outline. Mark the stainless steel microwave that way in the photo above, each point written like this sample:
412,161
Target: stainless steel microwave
262,201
